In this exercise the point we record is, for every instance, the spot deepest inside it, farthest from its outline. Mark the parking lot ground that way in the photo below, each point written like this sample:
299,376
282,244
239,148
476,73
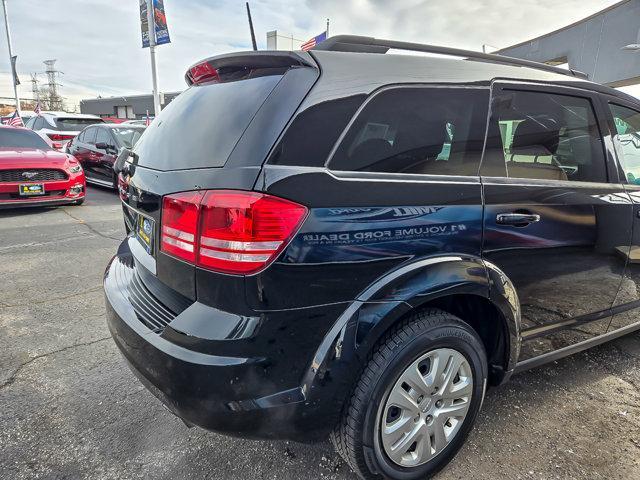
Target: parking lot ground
70,408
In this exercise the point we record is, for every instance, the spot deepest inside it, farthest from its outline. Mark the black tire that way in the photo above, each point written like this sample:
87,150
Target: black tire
354,437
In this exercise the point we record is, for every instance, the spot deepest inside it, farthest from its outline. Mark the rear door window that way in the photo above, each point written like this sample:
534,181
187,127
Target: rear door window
417,130
545,136
627,141
201,126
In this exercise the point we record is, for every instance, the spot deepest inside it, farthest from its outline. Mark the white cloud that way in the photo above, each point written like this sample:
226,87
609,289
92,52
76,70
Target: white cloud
97,42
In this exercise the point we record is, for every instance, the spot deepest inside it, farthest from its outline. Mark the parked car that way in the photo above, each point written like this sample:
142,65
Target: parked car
60,127
34,174
357,244
98,146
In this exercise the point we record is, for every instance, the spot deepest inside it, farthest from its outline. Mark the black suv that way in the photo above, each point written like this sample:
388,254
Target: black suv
356,244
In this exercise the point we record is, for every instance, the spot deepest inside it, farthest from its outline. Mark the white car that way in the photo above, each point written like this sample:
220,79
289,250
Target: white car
60,127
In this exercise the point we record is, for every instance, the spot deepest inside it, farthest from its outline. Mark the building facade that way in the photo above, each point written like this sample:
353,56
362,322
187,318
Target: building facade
125,107
594,45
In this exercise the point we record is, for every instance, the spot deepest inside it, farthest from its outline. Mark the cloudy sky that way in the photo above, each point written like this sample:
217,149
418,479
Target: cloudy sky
97,42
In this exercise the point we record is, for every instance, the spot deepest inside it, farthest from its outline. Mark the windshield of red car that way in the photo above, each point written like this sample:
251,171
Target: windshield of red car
19,138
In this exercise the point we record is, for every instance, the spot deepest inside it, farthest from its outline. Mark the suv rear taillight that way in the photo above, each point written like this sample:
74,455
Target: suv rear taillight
228,231
59,140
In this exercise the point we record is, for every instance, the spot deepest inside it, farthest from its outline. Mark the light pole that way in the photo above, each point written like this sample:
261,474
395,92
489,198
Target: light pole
11,64
152,51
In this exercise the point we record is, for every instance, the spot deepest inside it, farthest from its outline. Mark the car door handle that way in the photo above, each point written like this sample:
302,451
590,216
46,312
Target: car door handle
517,219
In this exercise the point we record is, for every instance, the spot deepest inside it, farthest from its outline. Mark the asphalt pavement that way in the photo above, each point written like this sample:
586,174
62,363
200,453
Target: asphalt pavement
71,409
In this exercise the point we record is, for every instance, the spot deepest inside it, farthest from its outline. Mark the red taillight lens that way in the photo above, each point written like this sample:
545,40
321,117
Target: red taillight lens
56,137
241,231
180,225
203,72
228,231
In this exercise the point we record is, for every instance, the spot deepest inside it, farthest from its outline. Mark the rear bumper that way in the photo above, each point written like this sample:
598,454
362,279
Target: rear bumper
202,381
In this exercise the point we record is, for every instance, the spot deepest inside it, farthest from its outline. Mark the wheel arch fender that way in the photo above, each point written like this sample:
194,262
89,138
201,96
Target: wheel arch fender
412,286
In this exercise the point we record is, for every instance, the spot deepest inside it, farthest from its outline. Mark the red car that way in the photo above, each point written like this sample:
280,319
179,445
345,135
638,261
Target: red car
32,173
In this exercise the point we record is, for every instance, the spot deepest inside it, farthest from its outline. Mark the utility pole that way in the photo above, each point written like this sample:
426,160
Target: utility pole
152,51
11,62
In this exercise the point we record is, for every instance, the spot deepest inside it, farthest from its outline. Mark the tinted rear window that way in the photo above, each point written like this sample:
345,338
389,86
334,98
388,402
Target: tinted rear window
75,124
314,132
202,125
21,139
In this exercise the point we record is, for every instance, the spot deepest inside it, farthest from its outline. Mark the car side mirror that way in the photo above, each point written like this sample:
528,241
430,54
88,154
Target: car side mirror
120,163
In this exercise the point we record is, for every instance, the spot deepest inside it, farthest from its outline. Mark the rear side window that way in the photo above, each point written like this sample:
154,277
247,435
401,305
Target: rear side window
201,126
627,141
544,136
314,132
18,138
418,130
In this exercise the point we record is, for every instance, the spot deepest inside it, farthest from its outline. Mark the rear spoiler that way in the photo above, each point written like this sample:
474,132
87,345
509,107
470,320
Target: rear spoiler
207,69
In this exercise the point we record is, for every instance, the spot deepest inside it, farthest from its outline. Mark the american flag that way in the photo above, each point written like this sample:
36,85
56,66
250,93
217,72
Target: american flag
15,120
309,44
37,109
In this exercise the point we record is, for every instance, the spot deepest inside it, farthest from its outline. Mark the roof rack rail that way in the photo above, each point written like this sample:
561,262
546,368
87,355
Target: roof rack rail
355,43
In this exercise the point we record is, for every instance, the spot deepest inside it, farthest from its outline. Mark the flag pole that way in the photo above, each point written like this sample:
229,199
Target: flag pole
152,51
327,28
13,70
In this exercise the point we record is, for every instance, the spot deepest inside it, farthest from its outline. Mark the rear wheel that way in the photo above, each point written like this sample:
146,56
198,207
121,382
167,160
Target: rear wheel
416,400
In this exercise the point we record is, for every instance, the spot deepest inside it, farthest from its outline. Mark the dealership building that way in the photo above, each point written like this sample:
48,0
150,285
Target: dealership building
125,107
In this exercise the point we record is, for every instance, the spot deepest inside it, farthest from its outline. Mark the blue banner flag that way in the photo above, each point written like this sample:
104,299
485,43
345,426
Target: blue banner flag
159,23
